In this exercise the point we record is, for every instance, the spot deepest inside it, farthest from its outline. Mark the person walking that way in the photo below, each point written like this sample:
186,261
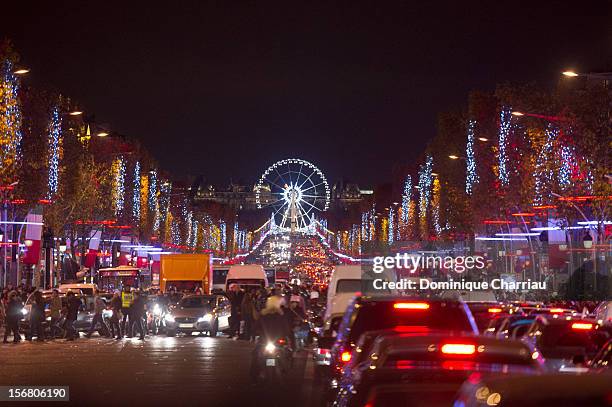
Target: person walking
55,308
235,296
74,304
37,316
247,311
127,297
13,313
137,312
114,320
99,307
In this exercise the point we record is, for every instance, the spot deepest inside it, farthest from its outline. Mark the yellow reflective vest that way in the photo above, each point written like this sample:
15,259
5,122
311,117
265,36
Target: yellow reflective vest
126,299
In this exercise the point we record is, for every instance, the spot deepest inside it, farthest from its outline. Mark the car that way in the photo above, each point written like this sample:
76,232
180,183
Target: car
428,369
84,317
370,313
485,311
565,343
198,313
603,358
603,313
549,389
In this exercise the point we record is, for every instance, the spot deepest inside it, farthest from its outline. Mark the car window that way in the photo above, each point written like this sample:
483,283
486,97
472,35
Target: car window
441,315
195,302
348,286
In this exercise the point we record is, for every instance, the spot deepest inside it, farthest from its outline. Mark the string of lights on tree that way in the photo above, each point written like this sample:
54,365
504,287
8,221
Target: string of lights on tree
391,232
568,164
152,199
543,173
10,119
425,181
118,170
505,118
136,193
471,176
435,205
223,232
406,197
54,132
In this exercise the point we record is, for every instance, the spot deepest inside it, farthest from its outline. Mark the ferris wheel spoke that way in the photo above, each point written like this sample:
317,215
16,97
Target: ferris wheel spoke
313,196
279,174
313,186
313,207
307,179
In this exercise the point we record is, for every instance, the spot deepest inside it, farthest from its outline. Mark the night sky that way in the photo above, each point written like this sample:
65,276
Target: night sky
225,91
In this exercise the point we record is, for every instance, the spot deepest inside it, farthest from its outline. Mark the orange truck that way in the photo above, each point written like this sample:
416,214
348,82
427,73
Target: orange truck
185,272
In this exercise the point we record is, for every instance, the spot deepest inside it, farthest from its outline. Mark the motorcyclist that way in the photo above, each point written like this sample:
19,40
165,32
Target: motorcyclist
274,325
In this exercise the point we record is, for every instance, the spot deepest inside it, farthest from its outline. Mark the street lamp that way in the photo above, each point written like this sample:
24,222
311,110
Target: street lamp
593,75
102,134
453,157
517,114
75,113
21,71
484,139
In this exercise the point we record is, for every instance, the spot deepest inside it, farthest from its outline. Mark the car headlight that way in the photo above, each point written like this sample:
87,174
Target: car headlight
169,318
48,319
205,318
157,309
107,313
270,348
24,311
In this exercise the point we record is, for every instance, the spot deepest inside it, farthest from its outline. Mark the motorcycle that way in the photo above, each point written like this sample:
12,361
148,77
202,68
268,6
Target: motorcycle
155,318
275,358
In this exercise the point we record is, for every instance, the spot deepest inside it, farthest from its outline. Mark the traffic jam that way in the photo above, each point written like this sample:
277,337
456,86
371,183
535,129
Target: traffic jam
365,349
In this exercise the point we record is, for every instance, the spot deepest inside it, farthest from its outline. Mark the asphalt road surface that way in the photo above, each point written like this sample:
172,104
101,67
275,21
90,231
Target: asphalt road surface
181,370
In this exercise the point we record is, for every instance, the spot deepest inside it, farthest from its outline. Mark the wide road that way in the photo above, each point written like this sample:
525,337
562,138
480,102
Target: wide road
183,370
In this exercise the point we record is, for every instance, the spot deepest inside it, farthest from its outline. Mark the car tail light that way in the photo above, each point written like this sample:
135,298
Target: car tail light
495,310
322,351
556,310
281,341
582,326
411,305
411,329
345,357
458,349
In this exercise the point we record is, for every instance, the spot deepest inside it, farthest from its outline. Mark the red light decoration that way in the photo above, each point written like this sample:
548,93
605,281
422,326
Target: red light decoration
496,222
523,214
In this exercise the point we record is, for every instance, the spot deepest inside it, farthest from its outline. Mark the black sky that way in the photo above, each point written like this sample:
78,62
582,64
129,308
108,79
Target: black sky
225,89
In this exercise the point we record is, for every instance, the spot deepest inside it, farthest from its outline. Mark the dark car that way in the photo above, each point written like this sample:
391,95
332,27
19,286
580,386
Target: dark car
199,313
590,390
566,343
368,313
603,359
427,370
485,311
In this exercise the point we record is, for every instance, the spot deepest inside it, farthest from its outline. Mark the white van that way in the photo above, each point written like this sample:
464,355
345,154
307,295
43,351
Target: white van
344,283
248,275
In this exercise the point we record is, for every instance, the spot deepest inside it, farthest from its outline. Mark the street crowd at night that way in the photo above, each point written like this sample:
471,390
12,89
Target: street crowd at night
323,204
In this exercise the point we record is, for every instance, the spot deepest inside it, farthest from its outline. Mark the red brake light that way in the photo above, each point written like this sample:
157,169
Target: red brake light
411,305
582,326
281,341
495,310
345,357
556,310
322,351
458,349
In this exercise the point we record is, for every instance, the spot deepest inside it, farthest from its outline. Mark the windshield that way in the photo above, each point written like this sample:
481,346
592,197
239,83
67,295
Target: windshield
197,302
348,286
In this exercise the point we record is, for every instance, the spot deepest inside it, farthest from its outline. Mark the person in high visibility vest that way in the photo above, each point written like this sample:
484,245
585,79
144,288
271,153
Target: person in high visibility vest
127,298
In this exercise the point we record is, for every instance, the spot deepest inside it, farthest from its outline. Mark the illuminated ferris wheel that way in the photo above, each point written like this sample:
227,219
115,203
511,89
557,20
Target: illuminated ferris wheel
295,190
